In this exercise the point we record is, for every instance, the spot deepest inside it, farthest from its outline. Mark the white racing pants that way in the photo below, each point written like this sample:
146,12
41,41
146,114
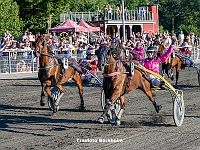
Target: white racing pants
154,81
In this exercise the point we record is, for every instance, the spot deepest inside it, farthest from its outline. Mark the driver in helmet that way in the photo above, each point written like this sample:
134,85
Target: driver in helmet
138,51
152,63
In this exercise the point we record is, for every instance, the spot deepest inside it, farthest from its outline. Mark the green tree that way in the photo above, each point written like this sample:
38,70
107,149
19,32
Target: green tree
176,14
9,17
36,13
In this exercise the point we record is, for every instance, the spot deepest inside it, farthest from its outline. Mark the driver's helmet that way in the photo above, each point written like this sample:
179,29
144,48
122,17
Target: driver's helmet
151,52
90,50
151,49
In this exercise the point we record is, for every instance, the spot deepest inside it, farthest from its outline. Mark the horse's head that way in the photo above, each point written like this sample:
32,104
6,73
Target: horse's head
160,47
103,55
40,45
114,52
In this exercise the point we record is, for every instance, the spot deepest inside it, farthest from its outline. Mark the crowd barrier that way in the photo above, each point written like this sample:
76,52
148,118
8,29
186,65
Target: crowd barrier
26,62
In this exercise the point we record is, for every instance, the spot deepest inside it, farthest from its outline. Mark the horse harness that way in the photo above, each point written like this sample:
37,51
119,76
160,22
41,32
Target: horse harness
51,55
128,67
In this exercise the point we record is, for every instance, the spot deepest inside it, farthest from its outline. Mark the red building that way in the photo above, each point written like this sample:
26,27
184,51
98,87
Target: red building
145,18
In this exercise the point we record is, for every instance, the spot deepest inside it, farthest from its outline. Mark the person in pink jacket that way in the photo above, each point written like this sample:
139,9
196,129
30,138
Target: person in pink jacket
138,51
152,63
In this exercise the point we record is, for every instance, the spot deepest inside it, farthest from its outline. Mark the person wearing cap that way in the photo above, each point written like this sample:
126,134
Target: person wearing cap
181,38
138,51
90,63
152,63
91,60
185,50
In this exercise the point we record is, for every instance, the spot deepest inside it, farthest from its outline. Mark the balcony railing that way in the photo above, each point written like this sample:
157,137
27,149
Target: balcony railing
131,15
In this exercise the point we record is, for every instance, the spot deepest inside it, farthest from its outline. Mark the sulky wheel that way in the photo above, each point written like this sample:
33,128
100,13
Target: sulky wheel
55,92
198,71
103,103
179,110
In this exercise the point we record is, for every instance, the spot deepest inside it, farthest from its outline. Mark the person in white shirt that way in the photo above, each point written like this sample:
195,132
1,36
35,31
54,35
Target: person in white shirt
181,38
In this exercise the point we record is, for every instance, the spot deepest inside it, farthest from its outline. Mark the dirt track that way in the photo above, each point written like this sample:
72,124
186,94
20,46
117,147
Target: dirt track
27,125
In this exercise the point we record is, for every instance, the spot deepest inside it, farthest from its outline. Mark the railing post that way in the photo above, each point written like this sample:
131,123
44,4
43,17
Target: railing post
32,61
9,63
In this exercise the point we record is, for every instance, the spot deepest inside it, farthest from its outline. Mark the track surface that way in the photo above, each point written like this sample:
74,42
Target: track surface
24,124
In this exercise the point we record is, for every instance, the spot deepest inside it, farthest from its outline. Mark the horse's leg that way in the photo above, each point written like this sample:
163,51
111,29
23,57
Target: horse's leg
47,89
42,101
78,81
110,105
147,90
119,115
171,74
167,70
62,91
178,68
107,107
42,82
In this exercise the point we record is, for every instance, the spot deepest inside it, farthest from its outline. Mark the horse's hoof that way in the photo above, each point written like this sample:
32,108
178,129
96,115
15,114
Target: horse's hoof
82,109
54,114
42,103
158,108
118,122
113,120
57,107
100,120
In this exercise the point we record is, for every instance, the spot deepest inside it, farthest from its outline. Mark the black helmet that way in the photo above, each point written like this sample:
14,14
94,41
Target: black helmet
151,49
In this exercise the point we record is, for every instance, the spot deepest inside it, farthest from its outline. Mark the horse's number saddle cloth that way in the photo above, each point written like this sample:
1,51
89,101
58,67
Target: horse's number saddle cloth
132,68
65,63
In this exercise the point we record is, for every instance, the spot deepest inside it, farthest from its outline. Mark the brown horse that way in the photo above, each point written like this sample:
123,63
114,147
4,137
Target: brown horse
179,62
119,79
176,61
51,75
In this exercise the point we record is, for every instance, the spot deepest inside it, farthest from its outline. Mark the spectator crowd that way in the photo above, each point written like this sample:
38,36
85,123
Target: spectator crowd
77,44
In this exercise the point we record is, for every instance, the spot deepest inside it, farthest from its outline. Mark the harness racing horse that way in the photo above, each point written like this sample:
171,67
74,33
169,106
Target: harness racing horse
177,61
50,73
119,79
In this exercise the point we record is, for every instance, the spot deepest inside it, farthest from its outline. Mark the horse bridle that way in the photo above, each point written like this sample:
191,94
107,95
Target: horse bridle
103,55
38,49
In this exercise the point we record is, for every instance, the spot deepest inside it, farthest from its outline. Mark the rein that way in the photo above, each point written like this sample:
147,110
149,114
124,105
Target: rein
116,72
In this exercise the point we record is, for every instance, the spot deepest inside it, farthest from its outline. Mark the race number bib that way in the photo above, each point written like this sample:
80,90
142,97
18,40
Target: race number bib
132,68
65,63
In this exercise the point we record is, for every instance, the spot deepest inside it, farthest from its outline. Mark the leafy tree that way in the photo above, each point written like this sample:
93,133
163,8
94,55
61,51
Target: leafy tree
177,14
36,13
9,17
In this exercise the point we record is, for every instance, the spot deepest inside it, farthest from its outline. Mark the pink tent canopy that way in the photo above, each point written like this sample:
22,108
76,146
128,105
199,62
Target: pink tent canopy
69,26
89,28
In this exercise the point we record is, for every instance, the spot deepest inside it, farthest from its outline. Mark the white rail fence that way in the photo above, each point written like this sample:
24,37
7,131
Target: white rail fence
25,62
